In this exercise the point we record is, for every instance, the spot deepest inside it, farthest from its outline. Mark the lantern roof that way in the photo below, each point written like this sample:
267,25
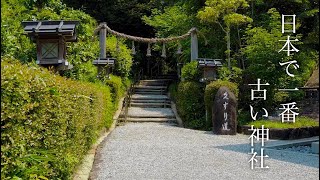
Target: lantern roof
205,62
49,29
104,61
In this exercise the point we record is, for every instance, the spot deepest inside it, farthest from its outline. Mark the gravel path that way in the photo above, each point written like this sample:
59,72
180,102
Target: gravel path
163,151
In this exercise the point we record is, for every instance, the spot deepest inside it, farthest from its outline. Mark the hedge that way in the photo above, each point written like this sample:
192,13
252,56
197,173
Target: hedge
48,122
191,72
173,89
118,87
190,104
210,93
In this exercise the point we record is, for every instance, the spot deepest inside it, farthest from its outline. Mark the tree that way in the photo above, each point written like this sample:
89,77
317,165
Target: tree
218,11
261,52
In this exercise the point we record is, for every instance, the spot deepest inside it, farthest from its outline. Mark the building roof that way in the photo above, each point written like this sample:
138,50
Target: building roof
313,81
51,28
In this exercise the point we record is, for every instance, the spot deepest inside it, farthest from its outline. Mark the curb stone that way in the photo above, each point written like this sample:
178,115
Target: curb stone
174,109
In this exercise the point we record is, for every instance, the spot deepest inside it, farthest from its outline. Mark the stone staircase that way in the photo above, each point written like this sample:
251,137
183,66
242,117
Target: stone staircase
150,103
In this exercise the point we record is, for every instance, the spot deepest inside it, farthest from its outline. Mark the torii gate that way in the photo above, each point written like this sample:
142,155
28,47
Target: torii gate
102,29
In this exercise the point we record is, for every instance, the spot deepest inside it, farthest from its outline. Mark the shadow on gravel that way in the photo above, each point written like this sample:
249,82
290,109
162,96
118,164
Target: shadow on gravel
310,160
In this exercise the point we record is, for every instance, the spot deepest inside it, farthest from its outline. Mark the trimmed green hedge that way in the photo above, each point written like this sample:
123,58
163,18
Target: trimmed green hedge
210,93
190,105
117,88
48,122
191,72
173,88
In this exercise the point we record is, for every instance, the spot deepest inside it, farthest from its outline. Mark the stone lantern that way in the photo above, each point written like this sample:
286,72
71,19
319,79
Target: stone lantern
209,68
51,38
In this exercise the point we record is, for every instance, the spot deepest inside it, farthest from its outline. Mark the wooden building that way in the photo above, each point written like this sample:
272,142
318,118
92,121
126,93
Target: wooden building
311,88
310,104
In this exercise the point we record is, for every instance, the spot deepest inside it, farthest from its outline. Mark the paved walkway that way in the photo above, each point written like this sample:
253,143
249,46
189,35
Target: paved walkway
163,151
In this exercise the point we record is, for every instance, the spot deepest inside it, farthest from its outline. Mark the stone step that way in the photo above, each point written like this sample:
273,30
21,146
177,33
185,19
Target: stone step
138,112
152,84
151,93
149,119
149,97
149,90
171,77
151,105
150,87
139,91
151,101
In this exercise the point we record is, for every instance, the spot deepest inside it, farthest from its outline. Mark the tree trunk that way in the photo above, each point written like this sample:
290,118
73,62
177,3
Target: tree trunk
228,48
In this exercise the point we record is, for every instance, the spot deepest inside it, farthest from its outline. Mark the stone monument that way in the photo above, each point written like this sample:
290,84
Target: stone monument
224,112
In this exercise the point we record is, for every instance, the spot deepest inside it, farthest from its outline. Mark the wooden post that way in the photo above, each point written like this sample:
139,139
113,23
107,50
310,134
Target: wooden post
102,40
194,45
61,50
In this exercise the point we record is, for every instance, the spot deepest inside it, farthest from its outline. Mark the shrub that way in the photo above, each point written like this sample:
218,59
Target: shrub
126,82
235,75
48,122
123,57
117,87
191,72
173,88
190,104
80,54
210,93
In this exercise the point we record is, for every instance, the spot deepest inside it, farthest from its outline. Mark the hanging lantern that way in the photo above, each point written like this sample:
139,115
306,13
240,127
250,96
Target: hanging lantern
133,49
179,49
163,51
149,50
117,46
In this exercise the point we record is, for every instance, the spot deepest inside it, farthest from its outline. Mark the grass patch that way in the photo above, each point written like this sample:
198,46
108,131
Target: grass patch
300,122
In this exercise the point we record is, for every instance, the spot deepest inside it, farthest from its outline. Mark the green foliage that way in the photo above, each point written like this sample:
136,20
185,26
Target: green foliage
117,87
123,56
300,122
235,75
173,89
80,54
13,42
190,104
216,10
170,20
48,122
191,72
173,20
263,62
243,117
219,12
210,93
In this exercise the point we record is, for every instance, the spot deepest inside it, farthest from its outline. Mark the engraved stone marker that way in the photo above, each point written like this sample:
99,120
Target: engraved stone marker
224,112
